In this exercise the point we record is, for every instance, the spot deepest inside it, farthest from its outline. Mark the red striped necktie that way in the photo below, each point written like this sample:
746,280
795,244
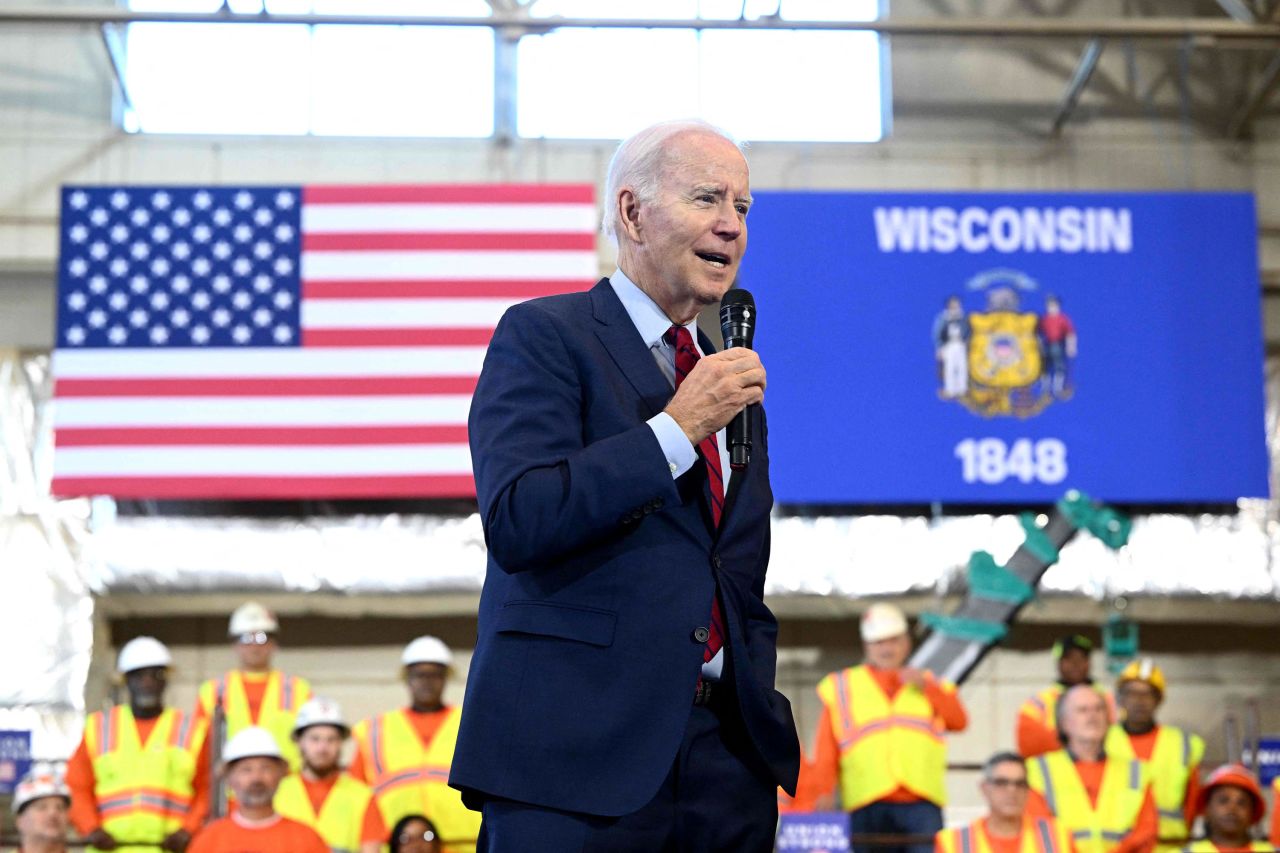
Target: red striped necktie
686,357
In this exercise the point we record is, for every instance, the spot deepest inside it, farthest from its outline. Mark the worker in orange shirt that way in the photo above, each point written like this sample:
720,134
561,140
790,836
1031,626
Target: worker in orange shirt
255,693
1037,726
1007,828
1104,801
1172,754
1231,803
880,736
254,768
406,754
140,775
320,795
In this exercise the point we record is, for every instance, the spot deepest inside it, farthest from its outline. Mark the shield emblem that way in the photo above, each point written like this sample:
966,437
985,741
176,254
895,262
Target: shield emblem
1003,352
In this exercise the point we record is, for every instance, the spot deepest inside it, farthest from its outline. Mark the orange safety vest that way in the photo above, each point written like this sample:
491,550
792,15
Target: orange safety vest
884,745
144,791
1043,835
409,778
283,696
1095,829
1204,845
1175,753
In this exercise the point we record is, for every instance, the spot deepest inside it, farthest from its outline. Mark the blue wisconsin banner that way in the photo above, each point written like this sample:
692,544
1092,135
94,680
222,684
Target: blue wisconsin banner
1004,347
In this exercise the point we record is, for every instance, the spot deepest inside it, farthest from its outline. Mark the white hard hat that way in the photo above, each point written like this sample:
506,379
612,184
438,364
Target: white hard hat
319,711
427,650
40,782
251,618
143,652
882,621
251,742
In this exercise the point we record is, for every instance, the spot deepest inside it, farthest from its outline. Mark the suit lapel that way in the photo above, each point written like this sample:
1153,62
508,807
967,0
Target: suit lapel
618,334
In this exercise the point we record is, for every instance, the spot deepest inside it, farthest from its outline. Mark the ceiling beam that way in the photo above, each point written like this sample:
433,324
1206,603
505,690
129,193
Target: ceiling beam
1141,29
1079,79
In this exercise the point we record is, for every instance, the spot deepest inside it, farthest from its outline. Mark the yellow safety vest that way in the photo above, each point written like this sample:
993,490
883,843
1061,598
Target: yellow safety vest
883,745
1038,836
144,791
341,815
1175,753
283,696
1124,787
1204,845
409,778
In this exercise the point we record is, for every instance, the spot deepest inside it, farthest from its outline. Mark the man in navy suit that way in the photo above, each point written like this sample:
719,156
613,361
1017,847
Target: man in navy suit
621,696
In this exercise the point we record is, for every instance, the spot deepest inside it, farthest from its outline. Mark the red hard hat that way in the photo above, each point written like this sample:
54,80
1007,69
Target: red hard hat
1238,776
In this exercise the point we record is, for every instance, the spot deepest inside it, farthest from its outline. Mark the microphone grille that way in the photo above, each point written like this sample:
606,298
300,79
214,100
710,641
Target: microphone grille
738,296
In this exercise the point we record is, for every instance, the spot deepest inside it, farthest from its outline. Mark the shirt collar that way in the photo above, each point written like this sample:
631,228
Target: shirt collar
648,318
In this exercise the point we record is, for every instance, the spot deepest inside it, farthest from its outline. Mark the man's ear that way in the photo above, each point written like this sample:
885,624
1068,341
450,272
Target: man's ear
629,215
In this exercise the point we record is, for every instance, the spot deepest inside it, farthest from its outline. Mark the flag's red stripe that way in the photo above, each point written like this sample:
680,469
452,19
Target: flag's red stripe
412,337
443,289
279,487
307,386
257,436
451,194
461,242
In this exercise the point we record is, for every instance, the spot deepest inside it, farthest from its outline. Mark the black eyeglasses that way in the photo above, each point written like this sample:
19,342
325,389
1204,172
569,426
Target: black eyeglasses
1003,782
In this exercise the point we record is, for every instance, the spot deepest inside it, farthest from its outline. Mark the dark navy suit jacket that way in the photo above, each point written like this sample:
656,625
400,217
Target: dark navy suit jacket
601,569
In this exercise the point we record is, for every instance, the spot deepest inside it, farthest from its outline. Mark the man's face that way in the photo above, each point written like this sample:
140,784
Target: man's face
255,650
694,232
146,687
255,779
43,820
889,653
1139,701
1073,667
1229,810
1084,714
1006,790
321,747
426,683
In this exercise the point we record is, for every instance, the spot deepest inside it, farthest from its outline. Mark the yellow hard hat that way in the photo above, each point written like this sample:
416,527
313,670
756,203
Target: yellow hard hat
1145,670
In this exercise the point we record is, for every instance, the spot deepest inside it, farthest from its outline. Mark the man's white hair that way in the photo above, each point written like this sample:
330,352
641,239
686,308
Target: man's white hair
638,164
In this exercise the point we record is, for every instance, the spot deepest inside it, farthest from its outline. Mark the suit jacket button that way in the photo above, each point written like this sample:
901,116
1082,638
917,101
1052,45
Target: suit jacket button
701,635
715,560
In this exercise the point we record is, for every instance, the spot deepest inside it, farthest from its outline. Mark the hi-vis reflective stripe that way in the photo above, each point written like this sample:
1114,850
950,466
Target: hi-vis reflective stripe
108,731
412,777
286,693
1171,814
1186,750
1081,834
966,839
180,733
375,745
1112,836
922,726
1049,797
1045,837
143,799
1135,775
842,698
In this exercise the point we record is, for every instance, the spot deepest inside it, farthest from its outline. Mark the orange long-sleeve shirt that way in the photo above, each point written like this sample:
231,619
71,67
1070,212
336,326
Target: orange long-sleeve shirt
426,723
278,834
1143,748
997,843
1141,839
83,782
1275,815
818,778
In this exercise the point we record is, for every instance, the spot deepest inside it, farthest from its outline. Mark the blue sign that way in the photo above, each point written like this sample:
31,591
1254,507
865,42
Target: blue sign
1268,760
15,759
817,832
1003,348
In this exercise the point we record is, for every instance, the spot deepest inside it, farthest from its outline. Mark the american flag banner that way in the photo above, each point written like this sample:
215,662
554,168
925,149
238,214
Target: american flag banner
292,342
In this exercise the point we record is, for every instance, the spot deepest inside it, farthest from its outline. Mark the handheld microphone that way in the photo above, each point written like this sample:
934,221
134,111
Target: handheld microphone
738,327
